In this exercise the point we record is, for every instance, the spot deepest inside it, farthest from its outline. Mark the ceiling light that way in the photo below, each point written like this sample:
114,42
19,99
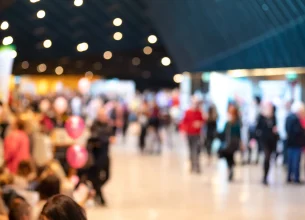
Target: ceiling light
178,78
147,50
117,22
59,70
165,61
78,3
89,75
7,40
107,55
152,39
41,14
82,47
34,1
136,61
47,43
41,68
4,25
25,65
118,36
14,54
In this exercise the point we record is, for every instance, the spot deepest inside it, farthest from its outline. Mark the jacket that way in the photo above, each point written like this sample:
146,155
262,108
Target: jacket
295,132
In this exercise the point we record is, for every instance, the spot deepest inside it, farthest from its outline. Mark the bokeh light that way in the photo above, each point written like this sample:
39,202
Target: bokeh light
25,65
165,61
82,47
4,25
8,40
78,3
59,70
147,50
41,14
117,22
41,68
118,36
136,61
152,39
178,78
47,43
107,55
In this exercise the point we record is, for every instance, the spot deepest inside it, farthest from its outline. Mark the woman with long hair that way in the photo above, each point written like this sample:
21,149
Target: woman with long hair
232,138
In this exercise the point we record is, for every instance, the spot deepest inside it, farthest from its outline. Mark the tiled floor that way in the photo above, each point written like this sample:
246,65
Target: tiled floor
160,187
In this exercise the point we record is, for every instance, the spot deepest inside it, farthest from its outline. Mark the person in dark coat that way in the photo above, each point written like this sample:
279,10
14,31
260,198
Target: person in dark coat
268,136
295,141
211,133
102,135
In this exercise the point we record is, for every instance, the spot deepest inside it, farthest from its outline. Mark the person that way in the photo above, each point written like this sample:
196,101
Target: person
19,209
154,125
16,146
25,175
254,110
102,135
295,141
143,120
211,131
61,207
48,187
192,122
268,136
232,138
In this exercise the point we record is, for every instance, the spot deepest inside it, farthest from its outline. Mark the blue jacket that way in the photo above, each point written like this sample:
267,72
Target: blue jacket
295,132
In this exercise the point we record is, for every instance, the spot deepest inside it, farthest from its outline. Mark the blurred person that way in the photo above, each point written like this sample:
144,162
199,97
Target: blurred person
143,120
268,135
48,187
192,122
154,126
16,146
211,130
295,141
60,207
232,138
19,210
42,144
126,114
102,135
25,174
4,120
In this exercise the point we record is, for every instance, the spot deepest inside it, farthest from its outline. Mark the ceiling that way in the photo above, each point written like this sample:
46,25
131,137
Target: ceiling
198,35
67,25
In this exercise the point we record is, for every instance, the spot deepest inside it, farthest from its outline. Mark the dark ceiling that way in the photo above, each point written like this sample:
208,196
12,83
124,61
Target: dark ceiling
67,26
198,35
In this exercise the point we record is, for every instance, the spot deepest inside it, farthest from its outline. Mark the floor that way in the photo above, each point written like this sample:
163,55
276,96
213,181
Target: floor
161,188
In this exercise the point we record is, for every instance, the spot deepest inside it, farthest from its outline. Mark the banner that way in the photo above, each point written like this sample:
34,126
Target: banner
6,66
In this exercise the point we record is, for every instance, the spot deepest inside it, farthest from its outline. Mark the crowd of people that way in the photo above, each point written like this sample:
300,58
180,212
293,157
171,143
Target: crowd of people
35,177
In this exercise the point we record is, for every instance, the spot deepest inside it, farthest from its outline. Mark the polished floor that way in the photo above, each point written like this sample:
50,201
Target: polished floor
161,188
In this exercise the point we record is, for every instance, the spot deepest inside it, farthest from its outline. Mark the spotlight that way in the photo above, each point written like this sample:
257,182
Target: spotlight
41,14
42,68
147,50
117,22
165,61
59,70
152,39
82,47
7,40
107,55
47,43
4,25
118,36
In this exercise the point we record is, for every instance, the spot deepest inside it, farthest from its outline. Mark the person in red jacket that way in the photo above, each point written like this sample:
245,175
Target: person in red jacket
193,122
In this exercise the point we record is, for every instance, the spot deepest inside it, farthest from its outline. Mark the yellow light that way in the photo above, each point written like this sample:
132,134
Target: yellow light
178,78
147,50
118,36
59,70
78,3
107,55
41,14
136,61
4,25
152,39
82,47
89,75
14,54
47,43
42,68
165,61
25,65
34,1
8,40
117,22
